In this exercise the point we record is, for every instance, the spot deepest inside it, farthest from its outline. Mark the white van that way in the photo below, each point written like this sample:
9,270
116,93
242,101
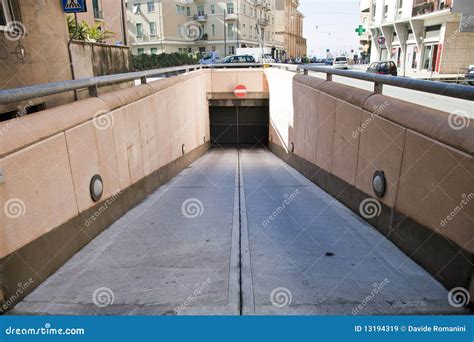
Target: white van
341,62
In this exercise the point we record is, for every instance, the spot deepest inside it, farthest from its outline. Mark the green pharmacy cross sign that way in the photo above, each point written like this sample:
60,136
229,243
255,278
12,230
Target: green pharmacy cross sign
360,30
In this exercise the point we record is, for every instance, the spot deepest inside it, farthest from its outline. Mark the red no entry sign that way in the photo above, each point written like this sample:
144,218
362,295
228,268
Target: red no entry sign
240,91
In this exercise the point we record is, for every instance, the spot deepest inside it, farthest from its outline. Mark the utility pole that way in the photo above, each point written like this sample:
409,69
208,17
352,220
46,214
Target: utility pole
225,37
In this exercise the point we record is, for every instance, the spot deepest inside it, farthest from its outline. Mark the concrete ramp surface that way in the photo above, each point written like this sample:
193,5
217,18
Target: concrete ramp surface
239,232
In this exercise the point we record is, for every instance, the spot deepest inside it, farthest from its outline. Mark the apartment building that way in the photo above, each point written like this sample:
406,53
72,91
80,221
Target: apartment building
289,27
200,26
109,15
423,35
365,38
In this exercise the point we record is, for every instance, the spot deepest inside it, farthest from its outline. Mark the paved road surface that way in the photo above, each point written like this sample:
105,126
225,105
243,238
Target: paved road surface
178,252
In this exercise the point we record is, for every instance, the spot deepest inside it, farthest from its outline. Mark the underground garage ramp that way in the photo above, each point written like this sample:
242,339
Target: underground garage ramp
239,125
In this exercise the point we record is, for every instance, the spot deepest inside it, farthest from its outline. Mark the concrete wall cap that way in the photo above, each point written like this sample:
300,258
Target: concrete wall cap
122,97
310,81
18,133
427,121
354,96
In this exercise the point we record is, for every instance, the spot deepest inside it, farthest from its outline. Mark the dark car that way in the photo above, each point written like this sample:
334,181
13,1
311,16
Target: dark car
239,59
383,68
329,61
469,77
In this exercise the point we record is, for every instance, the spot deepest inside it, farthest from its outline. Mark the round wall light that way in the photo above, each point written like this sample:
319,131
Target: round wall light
96,188
204,139
183,149
292,147
379,183
271,137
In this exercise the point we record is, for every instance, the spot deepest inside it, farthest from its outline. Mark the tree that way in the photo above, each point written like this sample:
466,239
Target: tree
83,31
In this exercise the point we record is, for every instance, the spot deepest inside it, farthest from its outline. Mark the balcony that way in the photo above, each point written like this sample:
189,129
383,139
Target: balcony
263,22
231,16
200,17
421,7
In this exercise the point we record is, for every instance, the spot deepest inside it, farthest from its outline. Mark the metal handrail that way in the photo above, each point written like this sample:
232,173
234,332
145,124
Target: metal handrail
458,91
92,83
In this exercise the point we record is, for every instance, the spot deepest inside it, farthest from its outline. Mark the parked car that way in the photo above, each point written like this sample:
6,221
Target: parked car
317,60
383,68
239,59
329,61
469,77
210,58
341,62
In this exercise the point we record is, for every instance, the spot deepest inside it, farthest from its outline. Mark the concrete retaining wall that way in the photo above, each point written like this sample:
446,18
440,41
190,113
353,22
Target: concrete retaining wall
132,138
341,135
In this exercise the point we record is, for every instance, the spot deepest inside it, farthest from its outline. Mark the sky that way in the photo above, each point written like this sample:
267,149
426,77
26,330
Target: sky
330,24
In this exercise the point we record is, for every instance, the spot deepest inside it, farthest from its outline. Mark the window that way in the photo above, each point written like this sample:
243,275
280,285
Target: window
213,10
213,29
200,9
244,11
152,29
230,30
5,14
385,11
141,51
177,9
154,51
188,11
231,50
151,6
243,30
136,8
139,29
230,8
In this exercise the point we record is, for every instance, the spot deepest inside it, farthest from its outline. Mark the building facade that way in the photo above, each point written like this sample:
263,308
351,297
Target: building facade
201,26
290,27
423,35
109,15
33,50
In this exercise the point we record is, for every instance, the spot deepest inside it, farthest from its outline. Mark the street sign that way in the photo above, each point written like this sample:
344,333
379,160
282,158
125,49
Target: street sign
74,6
240,91
381,40
360,30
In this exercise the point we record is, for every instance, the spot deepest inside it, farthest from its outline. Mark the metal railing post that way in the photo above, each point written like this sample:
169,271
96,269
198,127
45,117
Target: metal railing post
378,88
143,80
94,90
